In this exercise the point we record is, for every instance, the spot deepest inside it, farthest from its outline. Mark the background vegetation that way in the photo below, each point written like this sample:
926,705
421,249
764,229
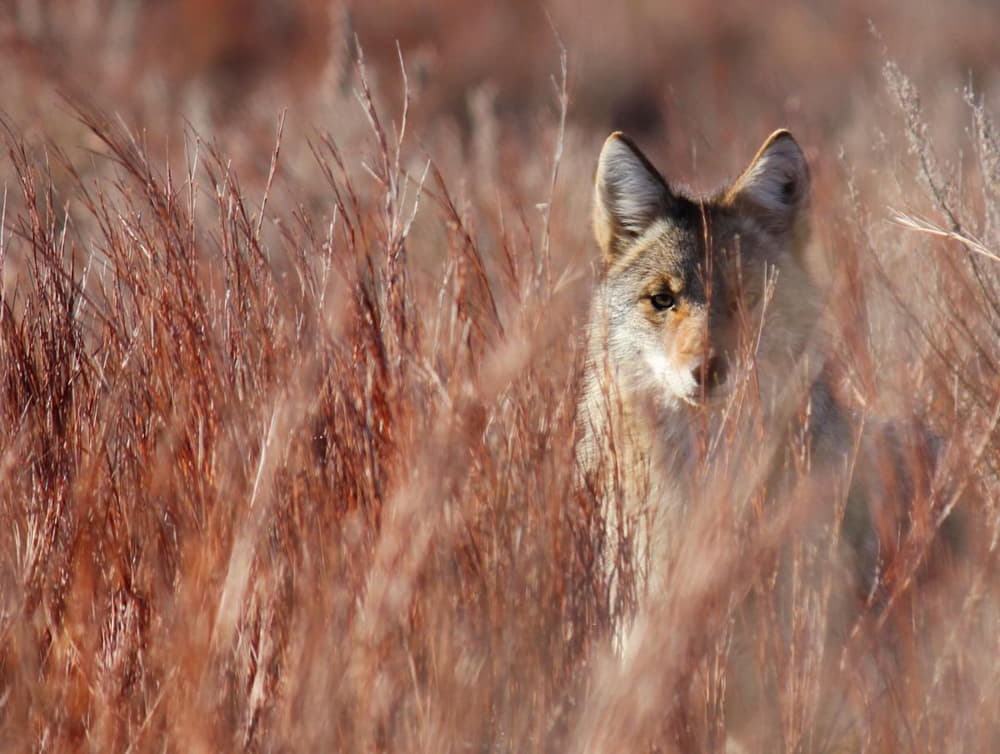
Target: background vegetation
289,352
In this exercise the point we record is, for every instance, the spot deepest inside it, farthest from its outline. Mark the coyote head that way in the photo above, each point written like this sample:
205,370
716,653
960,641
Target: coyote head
695,287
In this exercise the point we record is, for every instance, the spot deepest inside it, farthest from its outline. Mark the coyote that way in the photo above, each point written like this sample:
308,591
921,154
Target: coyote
698,296
708,380
706,321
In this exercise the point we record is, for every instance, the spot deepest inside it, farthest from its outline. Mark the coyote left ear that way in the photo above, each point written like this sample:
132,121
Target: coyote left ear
775,187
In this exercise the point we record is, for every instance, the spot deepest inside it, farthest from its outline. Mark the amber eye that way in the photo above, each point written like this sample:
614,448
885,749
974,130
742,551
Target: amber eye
662,301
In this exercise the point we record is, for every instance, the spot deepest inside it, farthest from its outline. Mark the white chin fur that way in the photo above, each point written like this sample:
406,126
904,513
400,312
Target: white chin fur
667,380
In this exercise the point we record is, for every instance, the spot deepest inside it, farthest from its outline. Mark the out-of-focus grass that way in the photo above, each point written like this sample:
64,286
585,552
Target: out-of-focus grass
288,391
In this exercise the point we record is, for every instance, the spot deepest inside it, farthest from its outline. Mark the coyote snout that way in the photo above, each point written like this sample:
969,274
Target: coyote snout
686,362
710,373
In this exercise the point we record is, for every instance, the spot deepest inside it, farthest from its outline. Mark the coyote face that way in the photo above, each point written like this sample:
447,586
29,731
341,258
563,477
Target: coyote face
690,282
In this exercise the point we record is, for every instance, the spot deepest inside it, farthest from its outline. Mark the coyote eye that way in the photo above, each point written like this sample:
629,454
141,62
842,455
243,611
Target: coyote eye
662,301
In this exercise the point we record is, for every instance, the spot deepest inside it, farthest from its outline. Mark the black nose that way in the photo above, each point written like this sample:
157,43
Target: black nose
710,373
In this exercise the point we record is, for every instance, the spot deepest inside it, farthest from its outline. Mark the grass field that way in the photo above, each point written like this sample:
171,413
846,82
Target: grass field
290,345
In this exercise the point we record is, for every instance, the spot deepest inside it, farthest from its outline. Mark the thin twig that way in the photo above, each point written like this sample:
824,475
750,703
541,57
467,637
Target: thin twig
926,226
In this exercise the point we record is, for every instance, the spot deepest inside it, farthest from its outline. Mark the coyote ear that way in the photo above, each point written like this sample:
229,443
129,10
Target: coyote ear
629,194
775,187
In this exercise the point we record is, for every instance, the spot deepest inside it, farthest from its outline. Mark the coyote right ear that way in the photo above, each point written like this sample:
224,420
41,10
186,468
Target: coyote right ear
775,187
629,194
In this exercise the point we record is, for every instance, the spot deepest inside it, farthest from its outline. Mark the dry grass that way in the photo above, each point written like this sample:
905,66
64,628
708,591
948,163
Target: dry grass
288,397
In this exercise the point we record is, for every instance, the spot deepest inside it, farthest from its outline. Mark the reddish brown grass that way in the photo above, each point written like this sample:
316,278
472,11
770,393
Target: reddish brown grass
288,396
